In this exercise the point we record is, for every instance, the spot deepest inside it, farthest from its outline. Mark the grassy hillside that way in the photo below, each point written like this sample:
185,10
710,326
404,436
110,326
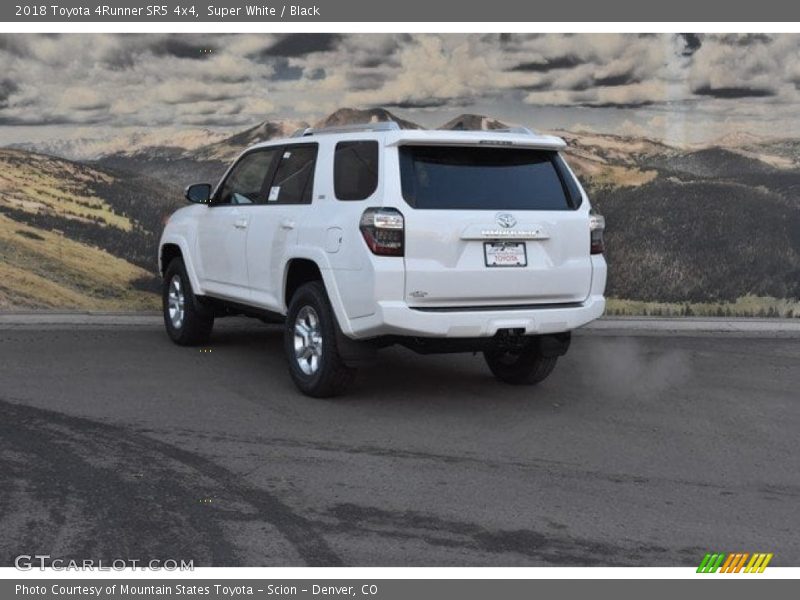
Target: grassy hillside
35,183
611,161
703,230
712,227
42,269
700,242
73,236
173,174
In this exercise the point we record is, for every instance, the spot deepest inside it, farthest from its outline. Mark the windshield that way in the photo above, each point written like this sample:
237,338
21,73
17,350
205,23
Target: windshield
452,177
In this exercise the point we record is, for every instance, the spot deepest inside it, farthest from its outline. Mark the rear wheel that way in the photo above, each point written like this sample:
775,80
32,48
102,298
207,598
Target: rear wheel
315,365
185,324
526,366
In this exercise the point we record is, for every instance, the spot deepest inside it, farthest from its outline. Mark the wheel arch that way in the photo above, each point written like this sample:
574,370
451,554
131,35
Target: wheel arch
303,268
176,247
299,271
168,253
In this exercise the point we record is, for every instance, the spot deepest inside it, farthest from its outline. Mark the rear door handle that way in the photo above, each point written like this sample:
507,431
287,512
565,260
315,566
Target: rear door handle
240,223
288,224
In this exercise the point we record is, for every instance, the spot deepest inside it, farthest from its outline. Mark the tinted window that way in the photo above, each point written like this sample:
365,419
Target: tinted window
355,170
245,183
576,198
450,177
294,179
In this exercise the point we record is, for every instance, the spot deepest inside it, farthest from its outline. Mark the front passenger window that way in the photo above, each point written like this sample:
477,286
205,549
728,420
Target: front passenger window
245,183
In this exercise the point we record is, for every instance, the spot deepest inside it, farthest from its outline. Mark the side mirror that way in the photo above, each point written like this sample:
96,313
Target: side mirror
199,193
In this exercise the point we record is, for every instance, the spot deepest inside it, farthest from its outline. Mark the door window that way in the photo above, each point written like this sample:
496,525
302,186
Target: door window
294,178
245,183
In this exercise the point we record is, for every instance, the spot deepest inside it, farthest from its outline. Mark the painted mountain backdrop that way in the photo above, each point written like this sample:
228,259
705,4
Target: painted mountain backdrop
710,228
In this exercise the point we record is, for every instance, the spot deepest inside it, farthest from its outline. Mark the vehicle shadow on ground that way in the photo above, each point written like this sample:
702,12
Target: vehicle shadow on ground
595,368
397,375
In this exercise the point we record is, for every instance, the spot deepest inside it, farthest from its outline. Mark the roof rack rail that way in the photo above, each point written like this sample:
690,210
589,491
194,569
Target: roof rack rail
377,126
516,129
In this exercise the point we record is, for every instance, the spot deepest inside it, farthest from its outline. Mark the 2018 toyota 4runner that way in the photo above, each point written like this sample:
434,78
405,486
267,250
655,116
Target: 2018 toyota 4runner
360,237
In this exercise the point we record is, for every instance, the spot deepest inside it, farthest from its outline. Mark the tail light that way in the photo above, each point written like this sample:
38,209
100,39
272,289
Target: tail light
597,225
384,231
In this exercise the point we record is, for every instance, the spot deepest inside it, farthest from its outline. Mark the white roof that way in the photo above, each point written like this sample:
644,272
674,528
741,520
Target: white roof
498,137
398,137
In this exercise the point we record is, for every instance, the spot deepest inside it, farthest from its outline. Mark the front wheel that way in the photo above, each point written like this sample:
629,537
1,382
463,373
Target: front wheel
185,324
315,365
520,367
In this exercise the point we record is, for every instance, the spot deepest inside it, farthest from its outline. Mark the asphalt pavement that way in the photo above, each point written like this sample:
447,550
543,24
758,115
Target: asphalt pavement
641,449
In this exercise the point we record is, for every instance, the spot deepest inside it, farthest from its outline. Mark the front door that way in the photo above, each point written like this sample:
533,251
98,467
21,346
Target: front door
222,232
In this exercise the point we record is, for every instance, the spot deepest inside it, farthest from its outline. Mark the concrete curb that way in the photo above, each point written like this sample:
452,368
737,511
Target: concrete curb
33,320
666,326
743,327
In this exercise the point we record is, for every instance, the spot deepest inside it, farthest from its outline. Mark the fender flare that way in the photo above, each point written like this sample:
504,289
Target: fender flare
318,257
186,255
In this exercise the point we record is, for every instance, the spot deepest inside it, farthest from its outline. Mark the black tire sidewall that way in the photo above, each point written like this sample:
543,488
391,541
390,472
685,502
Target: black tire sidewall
327,380
175,268
196,328
530,366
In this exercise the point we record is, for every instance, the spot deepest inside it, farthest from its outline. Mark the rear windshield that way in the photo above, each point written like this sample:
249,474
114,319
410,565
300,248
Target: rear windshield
448,177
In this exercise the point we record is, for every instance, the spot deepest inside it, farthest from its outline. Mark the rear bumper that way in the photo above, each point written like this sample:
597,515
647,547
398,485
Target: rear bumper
397,318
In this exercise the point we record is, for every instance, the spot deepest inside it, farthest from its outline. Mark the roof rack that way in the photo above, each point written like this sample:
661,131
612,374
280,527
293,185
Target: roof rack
376,126
517,129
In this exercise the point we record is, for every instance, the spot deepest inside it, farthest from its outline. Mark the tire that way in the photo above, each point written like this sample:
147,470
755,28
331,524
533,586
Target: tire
185,324
526,367
310,333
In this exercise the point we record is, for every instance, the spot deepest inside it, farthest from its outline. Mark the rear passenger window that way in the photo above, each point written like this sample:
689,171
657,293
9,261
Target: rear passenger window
294,179
355,170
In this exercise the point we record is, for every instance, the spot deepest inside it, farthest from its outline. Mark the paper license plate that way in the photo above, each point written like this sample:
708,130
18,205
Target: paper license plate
505,254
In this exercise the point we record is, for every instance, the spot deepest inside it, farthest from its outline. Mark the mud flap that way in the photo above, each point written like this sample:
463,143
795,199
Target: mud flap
553,345
353,352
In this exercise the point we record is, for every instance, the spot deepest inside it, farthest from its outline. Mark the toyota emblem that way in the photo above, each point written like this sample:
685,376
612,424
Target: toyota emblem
505,220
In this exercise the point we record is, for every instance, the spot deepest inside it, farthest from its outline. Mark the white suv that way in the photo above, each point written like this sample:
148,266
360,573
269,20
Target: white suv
365,236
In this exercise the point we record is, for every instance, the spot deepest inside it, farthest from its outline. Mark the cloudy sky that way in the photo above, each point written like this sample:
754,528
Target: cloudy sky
682,88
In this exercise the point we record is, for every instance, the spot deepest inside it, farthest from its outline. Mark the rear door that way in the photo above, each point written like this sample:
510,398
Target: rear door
492,225
274,224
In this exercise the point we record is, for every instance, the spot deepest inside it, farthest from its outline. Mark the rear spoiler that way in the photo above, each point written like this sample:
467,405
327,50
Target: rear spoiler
511,137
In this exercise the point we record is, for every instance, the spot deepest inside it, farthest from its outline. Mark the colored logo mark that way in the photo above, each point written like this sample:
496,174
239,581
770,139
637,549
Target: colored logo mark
734,562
